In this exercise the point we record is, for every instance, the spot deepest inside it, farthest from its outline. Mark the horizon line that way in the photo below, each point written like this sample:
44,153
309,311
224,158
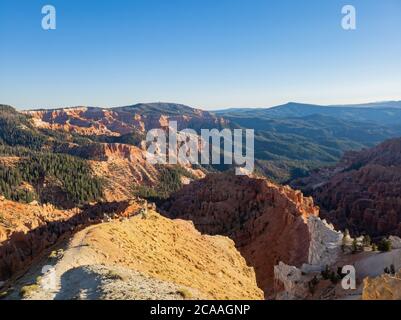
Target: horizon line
204,109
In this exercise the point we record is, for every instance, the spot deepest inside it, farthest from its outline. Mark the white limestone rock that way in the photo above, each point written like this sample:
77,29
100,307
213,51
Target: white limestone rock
310,268
291,278
325,242
395,242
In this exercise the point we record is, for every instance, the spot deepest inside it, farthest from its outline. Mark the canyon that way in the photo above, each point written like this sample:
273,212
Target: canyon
362,192
209,234
268,223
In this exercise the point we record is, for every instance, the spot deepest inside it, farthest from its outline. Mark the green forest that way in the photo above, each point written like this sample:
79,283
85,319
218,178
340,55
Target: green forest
73,175
38,166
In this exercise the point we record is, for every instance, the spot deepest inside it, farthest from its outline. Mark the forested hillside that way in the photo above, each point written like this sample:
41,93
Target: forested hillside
292,139
56,166
35,173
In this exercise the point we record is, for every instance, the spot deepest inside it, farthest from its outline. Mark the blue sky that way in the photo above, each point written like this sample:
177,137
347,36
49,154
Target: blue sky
205,53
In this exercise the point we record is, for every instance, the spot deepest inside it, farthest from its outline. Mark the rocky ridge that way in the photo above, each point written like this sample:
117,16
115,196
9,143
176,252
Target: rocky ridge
144,256
123,120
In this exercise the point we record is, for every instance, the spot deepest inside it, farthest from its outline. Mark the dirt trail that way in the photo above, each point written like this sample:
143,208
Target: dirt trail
73,257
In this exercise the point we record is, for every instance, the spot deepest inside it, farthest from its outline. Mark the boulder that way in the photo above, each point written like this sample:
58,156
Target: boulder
395,242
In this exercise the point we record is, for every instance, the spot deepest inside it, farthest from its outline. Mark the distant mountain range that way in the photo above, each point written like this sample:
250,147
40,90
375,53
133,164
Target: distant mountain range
375,111
294,138
290,140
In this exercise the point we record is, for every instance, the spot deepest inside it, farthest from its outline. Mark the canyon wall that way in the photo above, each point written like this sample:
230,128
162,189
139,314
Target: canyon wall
27,230
268,223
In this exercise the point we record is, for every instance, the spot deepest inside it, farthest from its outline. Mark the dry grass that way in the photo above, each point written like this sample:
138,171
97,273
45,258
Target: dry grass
56,254
3,294
185,293
174,251
27,290
113,275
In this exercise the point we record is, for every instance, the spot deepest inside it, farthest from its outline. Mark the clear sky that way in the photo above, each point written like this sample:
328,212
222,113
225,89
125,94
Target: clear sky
205,53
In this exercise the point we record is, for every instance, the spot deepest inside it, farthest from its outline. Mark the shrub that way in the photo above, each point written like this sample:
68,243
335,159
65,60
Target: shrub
184,293
334,278
169,182
3,294
340,273
392,269
56,254
384,245
113,275
367,241
27,290
326,273
312,285
355,247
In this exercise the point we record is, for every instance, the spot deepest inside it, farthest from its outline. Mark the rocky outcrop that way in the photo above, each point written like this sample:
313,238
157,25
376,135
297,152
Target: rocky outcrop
325,243
384,287
395,242
82,120
288,282
363,192
269,223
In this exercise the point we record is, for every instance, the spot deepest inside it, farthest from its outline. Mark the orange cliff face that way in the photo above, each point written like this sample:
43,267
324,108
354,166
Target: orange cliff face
120,121
27,230
85,121
267,222
18,241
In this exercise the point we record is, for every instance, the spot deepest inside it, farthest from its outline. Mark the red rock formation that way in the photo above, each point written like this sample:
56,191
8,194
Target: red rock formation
124,120
363,192
85,121
266,221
